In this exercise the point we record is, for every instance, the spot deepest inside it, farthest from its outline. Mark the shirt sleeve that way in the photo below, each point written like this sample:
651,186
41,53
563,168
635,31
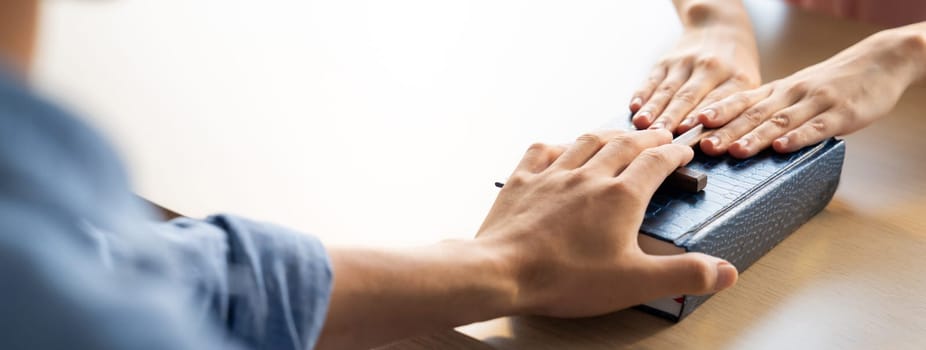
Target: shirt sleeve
274,288
218,283
84,266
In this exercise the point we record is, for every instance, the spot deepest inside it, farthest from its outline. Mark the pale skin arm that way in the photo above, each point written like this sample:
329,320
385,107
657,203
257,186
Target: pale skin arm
835,97
560,240
715,57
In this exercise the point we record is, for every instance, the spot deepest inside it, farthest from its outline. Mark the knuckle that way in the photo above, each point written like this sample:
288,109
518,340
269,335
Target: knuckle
754,115
654,79
538,147
589,138
655,155
745,80
624,142
740,99
619,187
781,120
709,62
516,179
686,95
625,190
576,177
668,87
711,98
847,112
723,134
797,89
824,94
820,125
702,274
687,60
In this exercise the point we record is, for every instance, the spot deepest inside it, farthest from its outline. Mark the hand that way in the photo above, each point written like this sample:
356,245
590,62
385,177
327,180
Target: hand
561,240
835,97
568,220
708,64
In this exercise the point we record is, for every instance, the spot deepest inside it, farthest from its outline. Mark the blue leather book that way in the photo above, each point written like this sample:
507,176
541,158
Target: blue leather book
747,208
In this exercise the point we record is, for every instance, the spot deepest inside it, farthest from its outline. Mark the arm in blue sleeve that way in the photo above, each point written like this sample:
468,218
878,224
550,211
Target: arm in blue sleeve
236,282
57,292
82,266
278,282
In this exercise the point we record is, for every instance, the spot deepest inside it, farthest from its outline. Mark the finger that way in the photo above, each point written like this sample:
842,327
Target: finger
719,93
643,94
686,98
584,148
689,273
720,113
538,157
621,150
721,140
821,127
661,96
648,170
780,123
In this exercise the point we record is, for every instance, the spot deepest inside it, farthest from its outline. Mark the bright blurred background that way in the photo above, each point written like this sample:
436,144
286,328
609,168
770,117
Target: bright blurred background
383,122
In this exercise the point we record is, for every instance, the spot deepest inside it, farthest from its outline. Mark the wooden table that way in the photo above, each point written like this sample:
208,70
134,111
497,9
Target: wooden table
402,113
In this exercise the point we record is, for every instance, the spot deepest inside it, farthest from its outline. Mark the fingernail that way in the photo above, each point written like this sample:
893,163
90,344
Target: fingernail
726,276
709,113
641,120
658,125
687,122
636,102
743,142
714,141
782,142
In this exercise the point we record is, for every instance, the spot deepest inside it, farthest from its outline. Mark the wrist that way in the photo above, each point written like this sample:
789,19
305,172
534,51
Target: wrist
722,32
490,271
896,52
722,14
907,52
525,267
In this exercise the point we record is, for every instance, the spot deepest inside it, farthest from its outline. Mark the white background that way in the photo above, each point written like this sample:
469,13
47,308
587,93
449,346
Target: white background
381,122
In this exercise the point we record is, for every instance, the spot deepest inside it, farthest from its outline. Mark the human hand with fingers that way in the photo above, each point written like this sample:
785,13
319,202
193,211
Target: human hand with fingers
715,57
560,240
835,97
570,218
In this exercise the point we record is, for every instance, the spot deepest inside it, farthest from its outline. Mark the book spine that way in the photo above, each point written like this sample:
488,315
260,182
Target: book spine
745,234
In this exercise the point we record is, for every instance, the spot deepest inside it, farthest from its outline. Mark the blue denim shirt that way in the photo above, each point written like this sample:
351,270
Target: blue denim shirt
83,264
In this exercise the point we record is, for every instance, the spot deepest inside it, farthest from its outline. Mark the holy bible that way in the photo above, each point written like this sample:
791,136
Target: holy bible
747,207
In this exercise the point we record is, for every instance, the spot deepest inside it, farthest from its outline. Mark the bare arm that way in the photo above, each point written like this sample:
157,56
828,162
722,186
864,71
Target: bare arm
551,245
835,97
381,295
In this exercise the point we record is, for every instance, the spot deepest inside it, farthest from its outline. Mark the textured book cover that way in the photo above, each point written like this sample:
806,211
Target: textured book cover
747,208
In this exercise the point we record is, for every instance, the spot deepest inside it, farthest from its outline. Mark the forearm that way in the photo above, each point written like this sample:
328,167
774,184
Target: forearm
382,295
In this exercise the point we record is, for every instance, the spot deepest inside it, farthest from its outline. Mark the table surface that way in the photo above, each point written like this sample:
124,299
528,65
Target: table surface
386,123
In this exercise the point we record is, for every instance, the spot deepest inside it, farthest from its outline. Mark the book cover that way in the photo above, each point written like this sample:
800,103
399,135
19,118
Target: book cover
747,208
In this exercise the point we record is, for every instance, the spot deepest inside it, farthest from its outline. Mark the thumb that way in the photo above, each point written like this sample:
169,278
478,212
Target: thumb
691,273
